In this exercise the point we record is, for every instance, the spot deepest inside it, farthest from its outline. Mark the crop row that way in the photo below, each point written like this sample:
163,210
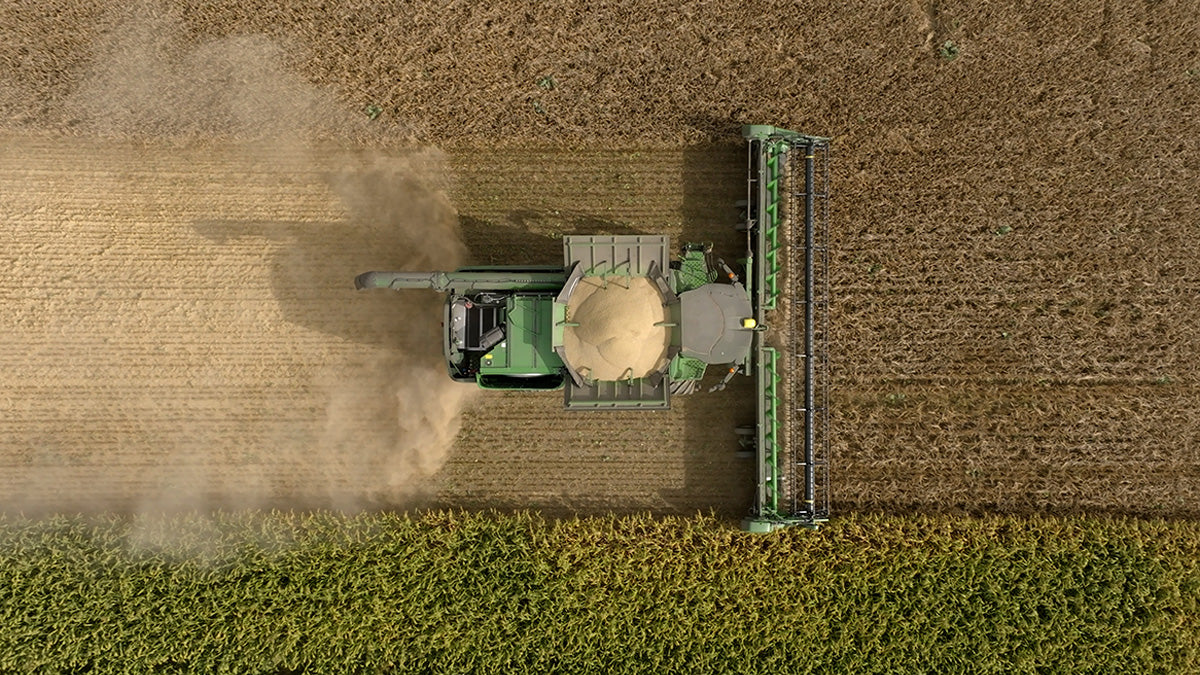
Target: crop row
464,592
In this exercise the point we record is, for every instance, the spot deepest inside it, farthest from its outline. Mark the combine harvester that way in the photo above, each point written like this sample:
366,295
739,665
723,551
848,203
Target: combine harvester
621,326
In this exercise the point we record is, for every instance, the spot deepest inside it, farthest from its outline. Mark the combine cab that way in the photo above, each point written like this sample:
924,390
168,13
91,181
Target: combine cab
622,326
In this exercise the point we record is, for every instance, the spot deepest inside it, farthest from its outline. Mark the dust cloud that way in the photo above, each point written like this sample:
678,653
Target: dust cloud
392,418
151,78
341,399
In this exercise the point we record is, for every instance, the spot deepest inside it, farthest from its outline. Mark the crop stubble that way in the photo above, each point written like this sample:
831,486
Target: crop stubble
180,330
1013,257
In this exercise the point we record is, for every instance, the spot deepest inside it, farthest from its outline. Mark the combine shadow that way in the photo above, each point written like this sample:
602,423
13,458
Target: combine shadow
313,264
530,237
312,269
716,478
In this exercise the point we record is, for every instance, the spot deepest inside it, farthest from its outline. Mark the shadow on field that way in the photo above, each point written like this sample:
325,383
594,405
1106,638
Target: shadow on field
529,236
715,478
312,269
313,265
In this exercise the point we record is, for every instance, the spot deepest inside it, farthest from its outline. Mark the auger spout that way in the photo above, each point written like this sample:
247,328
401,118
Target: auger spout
464,281
401,280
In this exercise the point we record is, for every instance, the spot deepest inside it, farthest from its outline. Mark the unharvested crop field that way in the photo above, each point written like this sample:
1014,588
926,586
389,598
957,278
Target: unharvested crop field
187,190
469,592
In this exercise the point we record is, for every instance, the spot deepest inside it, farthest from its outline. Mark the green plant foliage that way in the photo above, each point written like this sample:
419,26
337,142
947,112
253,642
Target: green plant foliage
456,592
948,51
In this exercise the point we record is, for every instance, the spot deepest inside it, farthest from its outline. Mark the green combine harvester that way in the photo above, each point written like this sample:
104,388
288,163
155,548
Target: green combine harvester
622,326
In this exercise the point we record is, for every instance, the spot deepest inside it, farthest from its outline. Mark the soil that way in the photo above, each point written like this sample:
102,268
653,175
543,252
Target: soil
1012,246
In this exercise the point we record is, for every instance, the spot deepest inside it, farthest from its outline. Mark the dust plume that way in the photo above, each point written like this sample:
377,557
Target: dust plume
230,363
392,415
151,78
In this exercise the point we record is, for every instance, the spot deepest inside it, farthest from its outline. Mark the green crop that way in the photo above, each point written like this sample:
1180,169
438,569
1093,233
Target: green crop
948,51
456,592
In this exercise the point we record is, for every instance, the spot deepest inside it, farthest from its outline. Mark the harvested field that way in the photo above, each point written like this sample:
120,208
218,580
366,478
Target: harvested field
183,331
179,331
1014,263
